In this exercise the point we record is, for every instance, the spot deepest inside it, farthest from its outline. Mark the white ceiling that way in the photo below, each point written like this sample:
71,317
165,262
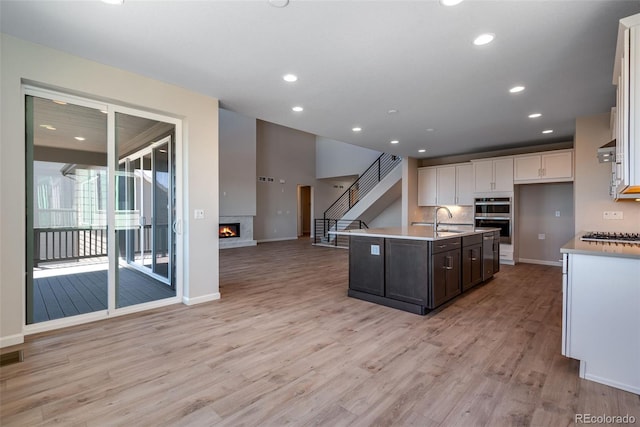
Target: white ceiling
358,59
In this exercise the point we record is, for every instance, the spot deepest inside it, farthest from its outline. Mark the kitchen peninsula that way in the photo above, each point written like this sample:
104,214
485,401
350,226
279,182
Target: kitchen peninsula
417,269
601,309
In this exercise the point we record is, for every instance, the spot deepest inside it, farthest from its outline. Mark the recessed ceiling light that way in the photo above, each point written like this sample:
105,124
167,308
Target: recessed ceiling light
547,131
48,127
290,78
422,150
483,39
430,130
535,115
79,138
516,89
392,111
357,129
59,102
104,111
450,2
297,109
394,141
113,1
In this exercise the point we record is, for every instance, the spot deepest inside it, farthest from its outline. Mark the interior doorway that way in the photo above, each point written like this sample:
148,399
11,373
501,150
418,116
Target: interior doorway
304,211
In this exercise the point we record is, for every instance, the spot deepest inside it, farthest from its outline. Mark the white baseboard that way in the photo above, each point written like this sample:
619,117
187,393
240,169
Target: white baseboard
200,300
279,239
540,262
10,340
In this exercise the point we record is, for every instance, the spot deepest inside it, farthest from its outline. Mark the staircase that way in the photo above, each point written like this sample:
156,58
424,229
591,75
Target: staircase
370,188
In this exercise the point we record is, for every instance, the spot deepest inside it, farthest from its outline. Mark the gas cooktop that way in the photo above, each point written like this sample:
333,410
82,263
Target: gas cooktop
608,237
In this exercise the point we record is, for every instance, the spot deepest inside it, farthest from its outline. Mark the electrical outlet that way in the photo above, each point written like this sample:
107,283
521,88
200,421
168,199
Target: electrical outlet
557,213
375,249
541,236
198,214
613,215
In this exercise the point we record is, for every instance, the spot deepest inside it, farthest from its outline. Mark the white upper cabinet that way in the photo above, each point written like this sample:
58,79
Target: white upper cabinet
445,185
626,76
464,185
493,175
552,166
427,189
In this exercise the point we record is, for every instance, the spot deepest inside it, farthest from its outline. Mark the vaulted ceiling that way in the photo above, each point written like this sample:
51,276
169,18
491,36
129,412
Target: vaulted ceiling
399,70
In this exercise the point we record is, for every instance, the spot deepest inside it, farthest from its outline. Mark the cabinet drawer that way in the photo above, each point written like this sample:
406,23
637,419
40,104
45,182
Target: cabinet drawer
446,245
471,240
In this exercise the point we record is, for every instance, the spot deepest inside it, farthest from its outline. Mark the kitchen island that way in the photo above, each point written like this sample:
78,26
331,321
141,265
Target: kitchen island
601,311
417,269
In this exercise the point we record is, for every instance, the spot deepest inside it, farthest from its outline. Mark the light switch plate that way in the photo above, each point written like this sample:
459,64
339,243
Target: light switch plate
198,214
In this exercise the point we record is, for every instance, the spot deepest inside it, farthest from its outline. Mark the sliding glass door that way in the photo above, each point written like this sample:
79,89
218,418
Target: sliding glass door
91,168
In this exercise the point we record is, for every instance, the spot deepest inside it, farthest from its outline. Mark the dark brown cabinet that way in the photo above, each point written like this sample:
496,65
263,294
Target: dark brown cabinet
416,275
407,270
471,258
366,264
445,283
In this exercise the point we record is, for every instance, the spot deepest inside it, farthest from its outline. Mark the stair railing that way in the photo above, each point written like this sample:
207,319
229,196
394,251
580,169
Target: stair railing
375,173
323,226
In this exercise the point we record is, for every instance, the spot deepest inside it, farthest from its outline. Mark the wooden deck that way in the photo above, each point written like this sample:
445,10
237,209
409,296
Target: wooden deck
62,295
286,346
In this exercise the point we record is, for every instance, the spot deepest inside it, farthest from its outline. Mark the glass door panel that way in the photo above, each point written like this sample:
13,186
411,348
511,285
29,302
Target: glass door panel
145,272
67,240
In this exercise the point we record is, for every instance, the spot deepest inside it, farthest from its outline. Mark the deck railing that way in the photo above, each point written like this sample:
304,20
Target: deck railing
73,243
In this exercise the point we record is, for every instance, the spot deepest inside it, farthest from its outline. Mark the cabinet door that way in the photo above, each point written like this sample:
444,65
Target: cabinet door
488,256
452,269
464,185
483,176
446,185
557,165
407,273
427,189
503,173
526,168
471,266
366,264
445,283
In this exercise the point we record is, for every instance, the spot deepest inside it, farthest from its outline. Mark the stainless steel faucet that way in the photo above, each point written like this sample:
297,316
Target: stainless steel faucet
435,217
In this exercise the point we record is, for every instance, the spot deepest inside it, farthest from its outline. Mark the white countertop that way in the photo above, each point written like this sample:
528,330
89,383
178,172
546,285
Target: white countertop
577,246
417,232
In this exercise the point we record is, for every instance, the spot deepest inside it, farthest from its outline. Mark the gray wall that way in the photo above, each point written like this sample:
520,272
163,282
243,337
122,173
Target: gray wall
287,155
592,181
237,163
335,158
390,217
537,206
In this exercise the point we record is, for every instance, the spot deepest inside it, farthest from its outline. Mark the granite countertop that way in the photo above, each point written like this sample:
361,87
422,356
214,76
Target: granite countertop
417,232
577,246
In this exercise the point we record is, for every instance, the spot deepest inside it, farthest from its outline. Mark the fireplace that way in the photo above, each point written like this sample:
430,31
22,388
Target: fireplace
229,230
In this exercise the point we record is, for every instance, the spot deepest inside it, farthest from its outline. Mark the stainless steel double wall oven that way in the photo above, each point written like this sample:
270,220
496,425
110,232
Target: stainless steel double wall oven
495,212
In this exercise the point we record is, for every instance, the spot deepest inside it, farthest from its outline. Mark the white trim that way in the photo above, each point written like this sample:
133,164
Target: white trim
540,262
137,308
622,386
10,340
64,322
200,300
279,239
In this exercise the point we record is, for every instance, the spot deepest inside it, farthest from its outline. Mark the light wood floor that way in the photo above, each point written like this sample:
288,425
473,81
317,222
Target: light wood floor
285,345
